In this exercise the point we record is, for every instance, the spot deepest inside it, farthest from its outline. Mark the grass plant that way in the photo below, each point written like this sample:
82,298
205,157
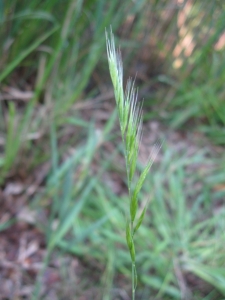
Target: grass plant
39,41
54,50
130,118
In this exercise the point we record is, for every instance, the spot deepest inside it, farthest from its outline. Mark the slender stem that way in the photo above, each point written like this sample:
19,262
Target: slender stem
133,267
133,280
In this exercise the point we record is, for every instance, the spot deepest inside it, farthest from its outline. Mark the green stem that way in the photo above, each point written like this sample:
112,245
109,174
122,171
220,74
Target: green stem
133,280
133,267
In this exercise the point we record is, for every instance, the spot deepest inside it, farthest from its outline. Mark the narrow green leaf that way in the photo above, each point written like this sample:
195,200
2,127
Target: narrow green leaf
132,252
133,207
145,172
128,235
130,242
140,220
69,221
142,178
133,160
26,52
73,160
134,198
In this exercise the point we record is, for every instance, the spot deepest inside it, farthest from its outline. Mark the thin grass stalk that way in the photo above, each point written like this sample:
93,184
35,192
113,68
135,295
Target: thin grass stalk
130,119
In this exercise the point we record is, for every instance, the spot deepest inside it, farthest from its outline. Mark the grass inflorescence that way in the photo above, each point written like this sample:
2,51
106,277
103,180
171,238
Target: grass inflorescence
130,119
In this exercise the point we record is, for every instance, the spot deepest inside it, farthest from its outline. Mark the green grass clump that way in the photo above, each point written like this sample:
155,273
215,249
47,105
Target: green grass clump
130,119
51,47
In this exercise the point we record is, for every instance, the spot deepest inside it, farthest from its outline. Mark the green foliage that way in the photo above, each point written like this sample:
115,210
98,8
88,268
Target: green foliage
50,44
195,73
51,49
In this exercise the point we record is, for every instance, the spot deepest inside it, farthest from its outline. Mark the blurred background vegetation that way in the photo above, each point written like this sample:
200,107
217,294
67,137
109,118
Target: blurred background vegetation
62,188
